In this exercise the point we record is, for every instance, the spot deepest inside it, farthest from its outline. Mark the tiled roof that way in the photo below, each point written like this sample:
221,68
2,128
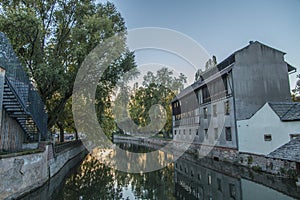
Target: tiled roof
290,151
286,111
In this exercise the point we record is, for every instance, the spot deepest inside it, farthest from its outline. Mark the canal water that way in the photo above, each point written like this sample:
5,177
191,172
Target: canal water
187,178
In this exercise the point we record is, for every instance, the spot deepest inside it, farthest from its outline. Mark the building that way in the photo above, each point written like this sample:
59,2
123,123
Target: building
228,111
23,118
273,125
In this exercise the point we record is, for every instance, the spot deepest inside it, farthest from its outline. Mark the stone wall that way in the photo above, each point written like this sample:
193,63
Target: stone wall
274,166
51,188
58,162
22,174
214,152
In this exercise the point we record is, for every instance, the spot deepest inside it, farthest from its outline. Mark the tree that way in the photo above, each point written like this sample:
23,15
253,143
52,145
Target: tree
52,38
296,91
161,89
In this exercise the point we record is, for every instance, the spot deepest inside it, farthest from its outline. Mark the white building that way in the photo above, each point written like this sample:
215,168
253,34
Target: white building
269,128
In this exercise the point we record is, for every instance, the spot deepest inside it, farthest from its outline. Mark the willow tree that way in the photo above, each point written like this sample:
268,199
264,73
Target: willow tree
52,39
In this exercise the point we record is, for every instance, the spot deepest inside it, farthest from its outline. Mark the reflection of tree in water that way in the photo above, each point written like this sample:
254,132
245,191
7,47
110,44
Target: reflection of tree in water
153,185
94,180
134,148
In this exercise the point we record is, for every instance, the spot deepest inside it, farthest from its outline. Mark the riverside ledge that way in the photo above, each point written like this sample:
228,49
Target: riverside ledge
22,174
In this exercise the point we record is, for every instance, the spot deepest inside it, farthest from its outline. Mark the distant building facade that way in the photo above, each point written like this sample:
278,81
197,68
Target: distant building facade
228,108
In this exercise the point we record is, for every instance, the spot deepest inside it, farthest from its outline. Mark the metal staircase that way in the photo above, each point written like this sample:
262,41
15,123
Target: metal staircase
21,101
15,108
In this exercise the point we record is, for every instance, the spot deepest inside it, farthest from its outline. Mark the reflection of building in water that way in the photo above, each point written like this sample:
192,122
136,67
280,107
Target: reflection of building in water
197,182
194,181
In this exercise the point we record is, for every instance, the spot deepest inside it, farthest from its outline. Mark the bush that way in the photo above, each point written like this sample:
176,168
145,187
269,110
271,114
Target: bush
250,160
257,168
291,173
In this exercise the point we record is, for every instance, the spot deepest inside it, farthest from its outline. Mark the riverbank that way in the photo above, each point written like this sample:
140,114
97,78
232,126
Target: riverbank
21,174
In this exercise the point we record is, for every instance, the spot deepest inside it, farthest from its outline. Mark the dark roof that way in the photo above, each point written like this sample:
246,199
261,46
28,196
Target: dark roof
286,111
291,68
289,151
220,67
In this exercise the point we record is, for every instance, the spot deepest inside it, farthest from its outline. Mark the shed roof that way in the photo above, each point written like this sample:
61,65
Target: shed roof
289,151
286,111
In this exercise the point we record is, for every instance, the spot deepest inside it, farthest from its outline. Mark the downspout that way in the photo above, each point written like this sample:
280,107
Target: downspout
234,113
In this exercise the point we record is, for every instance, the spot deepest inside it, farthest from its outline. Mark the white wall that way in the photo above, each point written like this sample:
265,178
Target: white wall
251,132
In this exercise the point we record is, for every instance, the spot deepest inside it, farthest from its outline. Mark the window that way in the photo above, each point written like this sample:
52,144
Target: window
205,113
199,177
209,180
206,133
227,108
197,132
205,94
294,136
215,110
216,133
228,134
190,131
268,137
225,84
232,191
219,182
175,132
183,131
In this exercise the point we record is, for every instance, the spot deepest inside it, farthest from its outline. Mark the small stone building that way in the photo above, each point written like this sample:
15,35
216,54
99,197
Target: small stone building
289,152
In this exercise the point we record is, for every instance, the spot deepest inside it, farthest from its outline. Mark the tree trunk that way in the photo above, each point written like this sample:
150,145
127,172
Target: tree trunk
76,134
61,132
55,112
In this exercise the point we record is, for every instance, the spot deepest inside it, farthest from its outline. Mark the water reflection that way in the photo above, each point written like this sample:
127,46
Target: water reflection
133,162
94,180
194,181
208,179
188,178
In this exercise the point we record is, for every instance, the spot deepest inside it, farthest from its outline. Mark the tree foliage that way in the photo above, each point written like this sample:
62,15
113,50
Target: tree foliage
160,88
52,39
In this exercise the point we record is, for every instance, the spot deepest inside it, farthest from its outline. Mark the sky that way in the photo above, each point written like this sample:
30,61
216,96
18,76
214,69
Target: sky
220,27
